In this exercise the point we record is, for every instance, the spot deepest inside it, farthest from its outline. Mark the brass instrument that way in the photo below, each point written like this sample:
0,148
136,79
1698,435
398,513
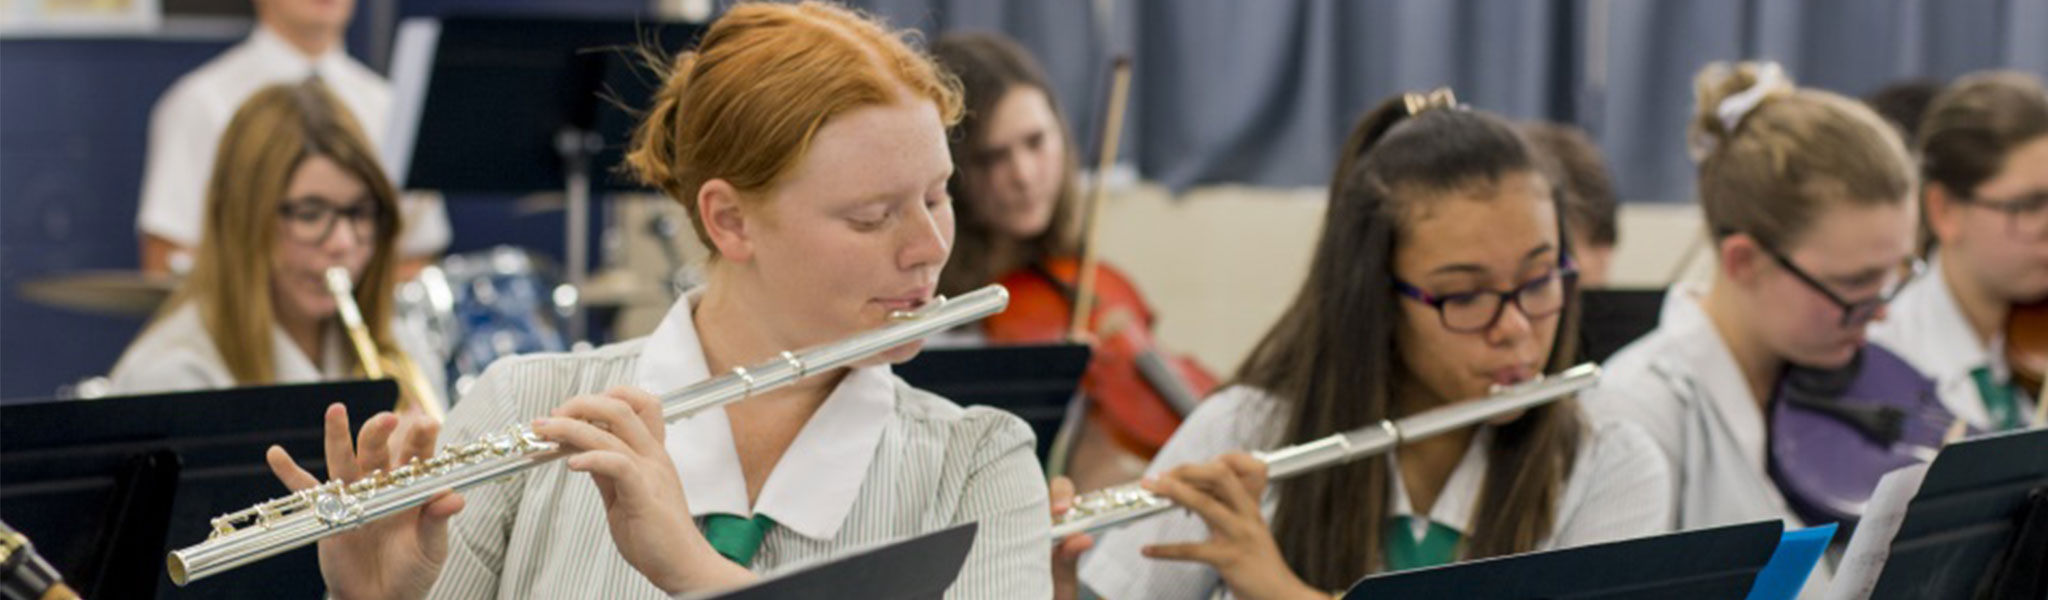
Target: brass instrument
308,515
415,388
1111,507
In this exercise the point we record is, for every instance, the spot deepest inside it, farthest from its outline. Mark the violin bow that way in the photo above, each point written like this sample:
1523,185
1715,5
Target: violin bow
1112,134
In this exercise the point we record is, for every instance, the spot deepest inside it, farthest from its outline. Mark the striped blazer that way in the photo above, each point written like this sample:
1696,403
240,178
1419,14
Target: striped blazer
542,533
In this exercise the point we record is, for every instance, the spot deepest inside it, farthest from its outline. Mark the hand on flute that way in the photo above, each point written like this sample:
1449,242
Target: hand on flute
617,437
1225,494
398,557
1066,555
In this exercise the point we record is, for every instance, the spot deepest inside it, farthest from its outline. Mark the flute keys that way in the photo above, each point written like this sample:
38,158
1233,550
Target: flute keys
337,508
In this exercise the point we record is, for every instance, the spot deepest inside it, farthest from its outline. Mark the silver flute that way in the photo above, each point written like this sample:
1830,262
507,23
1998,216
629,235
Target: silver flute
1115,506
314,513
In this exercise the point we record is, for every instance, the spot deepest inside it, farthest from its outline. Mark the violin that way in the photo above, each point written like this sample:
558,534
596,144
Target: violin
1835,432
2026,352
1135,395
1138,392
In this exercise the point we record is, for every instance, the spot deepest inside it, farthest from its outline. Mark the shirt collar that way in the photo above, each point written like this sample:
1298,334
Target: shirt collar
1926,313
1703,354
1460,496
273,52
290,365
815,483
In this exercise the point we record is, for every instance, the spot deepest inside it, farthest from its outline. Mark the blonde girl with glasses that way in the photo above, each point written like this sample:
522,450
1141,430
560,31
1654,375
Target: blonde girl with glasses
1808,197
295,190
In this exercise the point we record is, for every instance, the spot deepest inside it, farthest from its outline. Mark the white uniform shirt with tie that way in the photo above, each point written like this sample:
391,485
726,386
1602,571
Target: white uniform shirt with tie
879,461
1618,490
1925,326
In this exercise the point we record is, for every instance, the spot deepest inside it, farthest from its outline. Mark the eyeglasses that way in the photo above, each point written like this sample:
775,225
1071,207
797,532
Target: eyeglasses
1475,312
2026,215
1855,313
312,221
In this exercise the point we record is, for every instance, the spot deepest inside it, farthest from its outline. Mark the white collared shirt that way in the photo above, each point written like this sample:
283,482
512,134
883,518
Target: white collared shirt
1925,326
814,484
1681,384
1618,489
878,462
1455,503
188,121
176,354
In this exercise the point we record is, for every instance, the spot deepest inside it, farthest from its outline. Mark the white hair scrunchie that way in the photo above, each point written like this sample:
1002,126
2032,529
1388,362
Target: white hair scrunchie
1769,76
1731,110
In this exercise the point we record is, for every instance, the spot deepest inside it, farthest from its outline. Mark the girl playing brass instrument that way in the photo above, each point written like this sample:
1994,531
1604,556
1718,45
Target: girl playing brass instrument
295,191
808,144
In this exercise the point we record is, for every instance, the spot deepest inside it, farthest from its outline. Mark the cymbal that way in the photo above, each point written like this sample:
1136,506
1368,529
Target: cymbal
102,292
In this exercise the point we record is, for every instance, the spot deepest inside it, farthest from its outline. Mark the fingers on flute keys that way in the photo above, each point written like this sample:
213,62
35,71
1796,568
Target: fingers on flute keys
1061,492
1224,494
615,421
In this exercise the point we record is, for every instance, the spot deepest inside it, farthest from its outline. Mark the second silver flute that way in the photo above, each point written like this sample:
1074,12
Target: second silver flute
1111,507
308,515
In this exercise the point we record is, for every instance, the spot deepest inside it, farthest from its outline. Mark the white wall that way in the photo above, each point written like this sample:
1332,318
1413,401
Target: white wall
1218,264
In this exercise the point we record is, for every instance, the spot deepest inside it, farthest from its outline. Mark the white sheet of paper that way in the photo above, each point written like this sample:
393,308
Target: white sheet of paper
1864,560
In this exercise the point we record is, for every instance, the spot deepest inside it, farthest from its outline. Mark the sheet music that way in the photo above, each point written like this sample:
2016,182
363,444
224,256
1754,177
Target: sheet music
412,63
1868,549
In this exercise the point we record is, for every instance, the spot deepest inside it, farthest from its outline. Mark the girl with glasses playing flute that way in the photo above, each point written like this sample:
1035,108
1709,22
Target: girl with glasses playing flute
1441,272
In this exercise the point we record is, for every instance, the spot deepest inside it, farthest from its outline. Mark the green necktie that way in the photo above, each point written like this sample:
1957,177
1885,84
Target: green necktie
1998,400
735,537
1437,547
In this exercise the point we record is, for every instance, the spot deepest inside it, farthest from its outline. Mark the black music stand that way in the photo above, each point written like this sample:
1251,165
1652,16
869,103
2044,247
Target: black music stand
1978,527
918,568
1035,382
1716,563
1611,318
500,104
108,487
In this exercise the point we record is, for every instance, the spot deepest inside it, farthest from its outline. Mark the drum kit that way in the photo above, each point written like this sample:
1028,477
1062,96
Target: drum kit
474,307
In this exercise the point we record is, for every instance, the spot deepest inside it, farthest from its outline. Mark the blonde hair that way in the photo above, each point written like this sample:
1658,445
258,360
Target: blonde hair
275,131
745,105
1770,169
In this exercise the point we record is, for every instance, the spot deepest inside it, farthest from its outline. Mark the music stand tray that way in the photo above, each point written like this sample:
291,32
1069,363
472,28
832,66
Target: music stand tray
108,487
1716,563
1959,530
916,568
1035,382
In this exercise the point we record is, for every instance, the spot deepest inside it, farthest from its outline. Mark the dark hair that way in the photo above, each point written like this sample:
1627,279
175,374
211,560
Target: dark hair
989,66
1971,127
1903,103
1576,169
1332,358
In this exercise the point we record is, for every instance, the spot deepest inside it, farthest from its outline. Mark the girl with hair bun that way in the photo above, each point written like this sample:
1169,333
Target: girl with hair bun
809,144
1808,197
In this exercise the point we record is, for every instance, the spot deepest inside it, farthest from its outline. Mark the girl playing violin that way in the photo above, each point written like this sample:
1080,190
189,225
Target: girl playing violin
1018,201
1808,197
1984,154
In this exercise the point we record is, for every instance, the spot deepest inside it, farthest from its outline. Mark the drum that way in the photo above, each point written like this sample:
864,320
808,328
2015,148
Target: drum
478,307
